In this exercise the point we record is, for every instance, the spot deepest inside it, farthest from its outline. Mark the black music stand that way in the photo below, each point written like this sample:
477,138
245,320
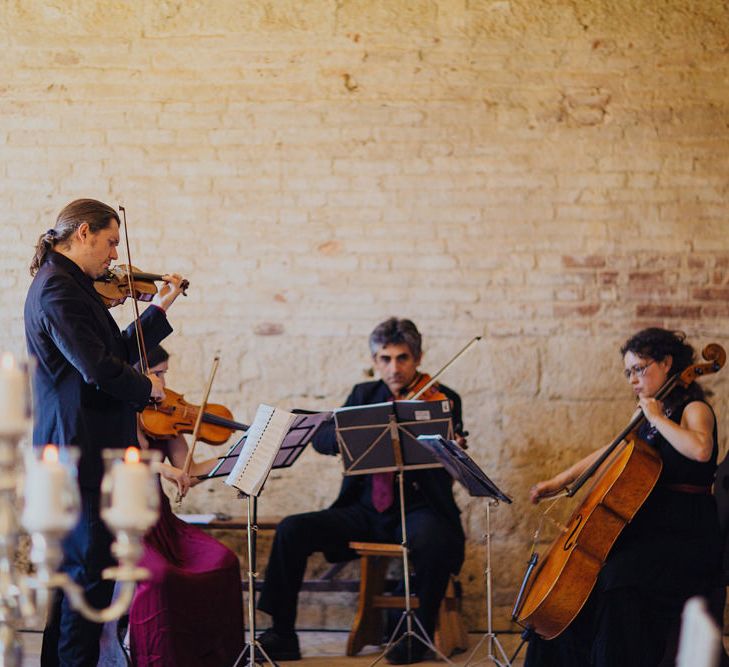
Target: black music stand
465,470
384,438
299,434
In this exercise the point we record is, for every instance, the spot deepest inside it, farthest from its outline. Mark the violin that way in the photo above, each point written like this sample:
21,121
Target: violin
174,415
554,590
114,288
423,388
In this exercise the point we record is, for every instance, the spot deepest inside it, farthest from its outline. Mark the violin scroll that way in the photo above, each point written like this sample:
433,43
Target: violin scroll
716,354
715,357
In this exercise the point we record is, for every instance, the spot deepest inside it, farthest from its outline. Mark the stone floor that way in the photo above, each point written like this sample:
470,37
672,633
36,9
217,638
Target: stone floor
326,649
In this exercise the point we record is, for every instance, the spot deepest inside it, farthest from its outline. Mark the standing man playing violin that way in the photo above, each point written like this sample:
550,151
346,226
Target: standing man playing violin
86,394
367,510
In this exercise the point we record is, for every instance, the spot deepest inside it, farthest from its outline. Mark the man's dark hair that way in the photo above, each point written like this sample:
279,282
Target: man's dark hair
96,214
396,332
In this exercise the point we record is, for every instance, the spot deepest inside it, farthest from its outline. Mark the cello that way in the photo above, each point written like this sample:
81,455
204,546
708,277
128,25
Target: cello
555,590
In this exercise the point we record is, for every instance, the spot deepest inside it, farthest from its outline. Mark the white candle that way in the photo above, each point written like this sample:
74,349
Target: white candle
13,397
47,496
130,489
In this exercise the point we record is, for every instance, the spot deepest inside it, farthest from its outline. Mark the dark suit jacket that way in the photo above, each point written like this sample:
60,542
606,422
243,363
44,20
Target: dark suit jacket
436,485
86,392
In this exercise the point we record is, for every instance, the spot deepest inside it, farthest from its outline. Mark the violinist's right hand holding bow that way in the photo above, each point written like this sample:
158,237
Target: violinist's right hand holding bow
547,488
158,388
551,487
178,477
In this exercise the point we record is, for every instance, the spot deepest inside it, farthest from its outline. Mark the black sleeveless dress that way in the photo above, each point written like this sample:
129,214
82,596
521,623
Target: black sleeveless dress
669,552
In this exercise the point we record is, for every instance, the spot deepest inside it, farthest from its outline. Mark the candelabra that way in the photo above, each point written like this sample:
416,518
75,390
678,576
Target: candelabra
49,495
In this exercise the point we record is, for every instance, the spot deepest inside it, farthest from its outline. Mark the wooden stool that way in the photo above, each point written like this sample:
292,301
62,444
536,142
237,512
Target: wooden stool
450,631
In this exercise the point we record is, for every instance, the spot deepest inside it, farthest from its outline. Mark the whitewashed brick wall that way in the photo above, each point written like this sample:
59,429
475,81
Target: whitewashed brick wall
551,175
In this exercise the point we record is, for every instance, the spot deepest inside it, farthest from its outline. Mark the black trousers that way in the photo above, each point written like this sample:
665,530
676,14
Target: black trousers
434,551
69,640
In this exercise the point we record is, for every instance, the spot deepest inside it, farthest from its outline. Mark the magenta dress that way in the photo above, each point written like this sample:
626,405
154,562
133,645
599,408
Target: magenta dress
190,612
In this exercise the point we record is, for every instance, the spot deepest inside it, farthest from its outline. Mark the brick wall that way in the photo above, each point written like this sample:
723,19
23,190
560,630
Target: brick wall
551,175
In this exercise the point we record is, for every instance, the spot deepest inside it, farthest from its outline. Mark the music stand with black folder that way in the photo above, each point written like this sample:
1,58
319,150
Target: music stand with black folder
383,437
299,434
465,470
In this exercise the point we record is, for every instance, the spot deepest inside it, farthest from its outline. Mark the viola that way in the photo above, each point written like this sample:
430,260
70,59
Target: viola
174,415
114,287
554,590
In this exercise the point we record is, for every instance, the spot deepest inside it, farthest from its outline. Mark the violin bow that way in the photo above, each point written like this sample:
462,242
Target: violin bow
413,396
198,422
141,348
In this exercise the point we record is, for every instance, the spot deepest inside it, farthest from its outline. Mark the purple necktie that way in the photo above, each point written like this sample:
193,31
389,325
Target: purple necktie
382,490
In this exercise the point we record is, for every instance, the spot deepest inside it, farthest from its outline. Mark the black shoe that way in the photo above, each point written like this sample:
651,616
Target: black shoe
407,652
280,646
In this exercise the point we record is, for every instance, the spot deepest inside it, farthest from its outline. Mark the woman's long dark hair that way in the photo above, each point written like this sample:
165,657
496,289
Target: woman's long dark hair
96,214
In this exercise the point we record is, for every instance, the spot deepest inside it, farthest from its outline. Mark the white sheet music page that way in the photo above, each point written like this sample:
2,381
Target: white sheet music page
256,457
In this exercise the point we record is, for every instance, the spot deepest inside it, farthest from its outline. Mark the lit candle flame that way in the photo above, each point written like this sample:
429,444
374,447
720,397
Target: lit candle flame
8,361
50,454
131,455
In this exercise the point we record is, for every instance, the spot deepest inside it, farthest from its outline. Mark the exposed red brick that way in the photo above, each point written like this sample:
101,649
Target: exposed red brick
576,310
720,277
718,310
711,293
268,329
663,310
655,262
644,278
583,261
695,262
608,277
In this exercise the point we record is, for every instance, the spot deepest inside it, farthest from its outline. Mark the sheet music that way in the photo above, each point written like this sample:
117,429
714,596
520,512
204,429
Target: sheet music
263,439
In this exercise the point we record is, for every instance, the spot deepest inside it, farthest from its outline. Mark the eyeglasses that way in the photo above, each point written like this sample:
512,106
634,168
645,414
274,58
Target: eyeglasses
638,371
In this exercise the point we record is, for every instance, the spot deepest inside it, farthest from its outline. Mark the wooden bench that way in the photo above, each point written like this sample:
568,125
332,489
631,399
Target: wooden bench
325,583
373,586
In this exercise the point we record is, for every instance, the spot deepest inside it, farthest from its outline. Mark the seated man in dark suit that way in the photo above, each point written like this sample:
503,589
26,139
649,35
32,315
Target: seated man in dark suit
367,509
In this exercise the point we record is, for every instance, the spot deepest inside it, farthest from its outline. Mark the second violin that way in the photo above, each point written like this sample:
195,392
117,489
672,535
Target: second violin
174,415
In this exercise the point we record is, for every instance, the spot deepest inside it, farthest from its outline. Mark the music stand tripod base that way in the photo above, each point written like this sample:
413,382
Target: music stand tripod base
490,638
250,655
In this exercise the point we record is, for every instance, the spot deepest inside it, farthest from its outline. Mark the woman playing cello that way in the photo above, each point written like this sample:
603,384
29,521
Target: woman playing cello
671,549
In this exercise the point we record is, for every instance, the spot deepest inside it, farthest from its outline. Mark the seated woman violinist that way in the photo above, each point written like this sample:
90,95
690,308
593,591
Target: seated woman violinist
189,613
671,550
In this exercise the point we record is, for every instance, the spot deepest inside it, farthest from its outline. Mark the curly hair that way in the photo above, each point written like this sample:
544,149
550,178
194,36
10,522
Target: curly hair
656,343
